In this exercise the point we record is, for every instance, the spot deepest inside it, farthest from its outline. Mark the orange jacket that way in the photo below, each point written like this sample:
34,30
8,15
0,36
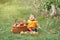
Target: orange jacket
32,24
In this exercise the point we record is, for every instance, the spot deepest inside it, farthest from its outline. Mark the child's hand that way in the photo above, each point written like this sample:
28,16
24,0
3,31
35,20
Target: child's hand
39,28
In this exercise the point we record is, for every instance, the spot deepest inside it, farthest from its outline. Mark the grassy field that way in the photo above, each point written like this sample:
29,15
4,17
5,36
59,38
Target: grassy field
9,12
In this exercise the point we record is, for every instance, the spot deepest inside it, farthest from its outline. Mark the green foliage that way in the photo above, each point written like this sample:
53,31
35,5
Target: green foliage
58,3
4,1
46,4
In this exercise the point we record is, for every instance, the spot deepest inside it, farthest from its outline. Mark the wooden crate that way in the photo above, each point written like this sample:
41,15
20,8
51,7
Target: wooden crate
19,29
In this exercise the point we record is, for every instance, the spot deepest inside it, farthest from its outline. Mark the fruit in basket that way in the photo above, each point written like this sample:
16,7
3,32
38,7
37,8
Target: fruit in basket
21,32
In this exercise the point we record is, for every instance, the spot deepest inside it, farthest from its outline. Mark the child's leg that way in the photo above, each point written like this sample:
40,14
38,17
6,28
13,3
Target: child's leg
29,30
35,30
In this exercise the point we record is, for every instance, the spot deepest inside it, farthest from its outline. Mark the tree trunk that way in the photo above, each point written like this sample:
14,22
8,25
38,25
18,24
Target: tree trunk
53,10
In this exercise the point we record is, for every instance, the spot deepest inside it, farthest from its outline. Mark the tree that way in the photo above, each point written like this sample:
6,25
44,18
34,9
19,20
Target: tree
47,5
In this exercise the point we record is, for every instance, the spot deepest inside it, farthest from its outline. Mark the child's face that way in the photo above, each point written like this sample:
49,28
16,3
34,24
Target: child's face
32,18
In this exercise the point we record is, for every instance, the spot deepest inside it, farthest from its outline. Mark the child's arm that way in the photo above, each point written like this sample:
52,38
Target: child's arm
38,26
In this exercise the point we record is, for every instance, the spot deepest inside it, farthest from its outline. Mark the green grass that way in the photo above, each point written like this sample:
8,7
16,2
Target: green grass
8,13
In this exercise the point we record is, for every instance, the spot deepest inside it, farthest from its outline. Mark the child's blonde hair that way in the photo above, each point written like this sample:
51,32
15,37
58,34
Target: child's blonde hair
32,17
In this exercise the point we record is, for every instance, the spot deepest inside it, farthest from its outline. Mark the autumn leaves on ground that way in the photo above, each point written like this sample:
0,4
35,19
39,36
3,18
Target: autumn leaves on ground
10,11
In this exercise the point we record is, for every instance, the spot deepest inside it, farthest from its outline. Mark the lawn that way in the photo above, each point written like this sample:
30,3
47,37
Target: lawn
8,13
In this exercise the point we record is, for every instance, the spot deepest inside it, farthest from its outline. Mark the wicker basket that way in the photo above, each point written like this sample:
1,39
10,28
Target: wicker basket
19,29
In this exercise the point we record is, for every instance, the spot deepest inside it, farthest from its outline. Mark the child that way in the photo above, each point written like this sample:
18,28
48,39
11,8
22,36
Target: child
32,24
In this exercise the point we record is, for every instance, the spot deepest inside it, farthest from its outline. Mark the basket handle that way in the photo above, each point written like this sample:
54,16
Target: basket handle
15,20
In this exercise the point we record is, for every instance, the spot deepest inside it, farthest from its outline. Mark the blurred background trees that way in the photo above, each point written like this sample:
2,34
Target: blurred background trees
35,5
